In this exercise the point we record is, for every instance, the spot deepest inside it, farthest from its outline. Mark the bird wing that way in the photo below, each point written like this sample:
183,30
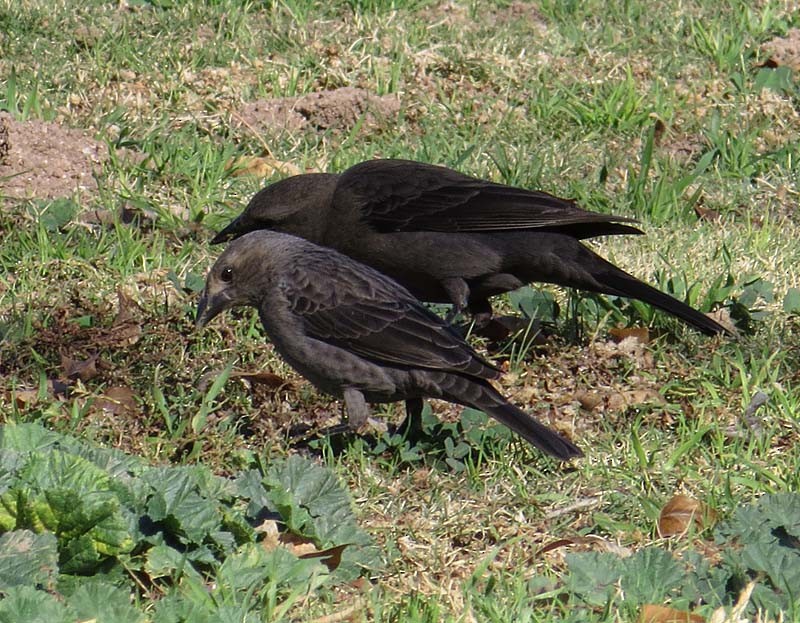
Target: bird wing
356,308
401,195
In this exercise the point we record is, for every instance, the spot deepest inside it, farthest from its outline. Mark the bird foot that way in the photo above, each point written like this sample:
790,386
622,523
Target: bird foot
372,427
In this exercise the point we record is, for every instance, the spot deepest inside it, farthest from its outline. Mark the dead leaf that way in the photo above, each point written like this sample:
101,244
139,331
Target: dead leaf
736,614
117,400
79,370
267,379
24,397
707,214
661,614
723,317
361,584
639,334
331,557
682,513
589,542
97,217
589,399
300,546
126,308
269,528
261,166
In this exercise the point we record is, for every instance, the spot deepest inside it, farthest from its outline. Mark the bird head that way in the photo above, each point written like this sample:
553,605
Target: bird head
241,275
291,205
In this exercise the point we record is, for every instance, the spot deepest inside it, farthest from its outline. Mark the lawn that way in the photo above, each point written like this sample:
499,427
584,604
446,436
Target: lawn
140,456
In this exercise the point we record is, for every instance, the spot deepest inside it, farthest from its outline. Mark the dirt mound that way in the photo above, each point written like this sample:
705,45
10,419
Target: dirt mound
44,160
786,50
337,110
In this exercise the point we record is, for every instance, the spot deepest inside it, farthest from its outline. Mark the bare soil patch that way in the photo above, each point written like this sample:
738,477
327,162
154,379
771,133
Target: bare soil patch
785,50
43,160
338,110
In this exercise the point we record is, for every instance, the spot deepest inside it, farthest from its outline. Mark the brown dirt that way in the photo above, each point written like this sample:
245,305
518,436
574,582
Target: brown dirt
338,110
4,144
785,50
44,160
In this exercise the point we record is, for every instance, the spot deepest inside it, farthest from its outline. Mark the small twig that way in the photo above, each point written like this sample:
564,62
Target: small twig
575,506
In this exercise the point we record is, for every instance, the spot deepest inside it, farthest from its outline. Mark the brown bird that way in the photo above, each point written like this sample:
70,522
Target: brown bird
358,335
451,238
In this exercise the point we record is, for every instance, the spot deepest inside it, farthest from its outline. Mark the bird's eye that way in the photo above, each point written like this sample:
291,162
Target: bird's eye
227,274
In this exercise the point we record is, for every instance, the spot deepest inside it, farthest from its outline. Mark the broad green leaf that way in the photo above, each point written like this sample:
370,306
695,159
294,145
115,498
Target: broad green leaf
99,601
26,604
27,437
27,559
57,214
179,501
791,302
593,576
650,575
313,504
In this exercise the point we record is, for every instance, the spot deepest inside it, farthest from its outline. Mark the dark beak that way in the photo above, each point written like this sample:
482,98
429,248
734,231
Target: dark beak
233,230
207,310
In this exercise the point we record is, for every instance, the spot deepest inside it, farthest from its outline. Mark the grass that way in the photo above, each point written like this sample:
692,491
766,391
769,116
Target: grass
638,109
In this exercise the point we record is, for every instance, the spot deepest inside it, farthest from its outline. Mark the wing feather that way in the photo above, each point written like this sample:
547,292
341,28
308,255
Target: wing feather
399,195
350,305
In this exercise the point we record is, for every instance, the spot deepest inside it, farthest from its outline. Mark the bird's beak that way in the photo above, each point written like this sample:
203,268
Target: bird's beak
207,309
233,230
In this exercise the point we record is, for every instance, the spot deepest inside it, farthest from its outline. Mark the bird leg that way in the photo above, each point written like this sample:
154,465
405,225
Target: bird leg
457,291
481,311
412,425
357,409
358,413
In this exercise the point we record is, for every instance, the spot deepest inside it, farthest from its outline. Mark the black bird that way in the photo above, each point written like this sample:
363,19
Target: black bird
451,238
358,335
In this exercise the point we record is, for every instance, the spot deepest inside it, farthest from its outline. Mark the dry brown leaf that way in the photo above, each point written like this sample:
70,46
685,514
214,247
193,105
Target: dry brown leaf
126,308
661,614
720,615
79,369
682,513
589,399
723,317
707,214
331,557
117,400
590,542
269,528
261,166
267,379
24,397
299,546
640,334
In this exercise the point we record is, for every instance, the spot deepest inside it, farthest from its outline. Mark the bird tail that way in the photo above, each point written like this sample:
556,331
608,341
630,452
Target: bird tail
621,283
479,394
565,261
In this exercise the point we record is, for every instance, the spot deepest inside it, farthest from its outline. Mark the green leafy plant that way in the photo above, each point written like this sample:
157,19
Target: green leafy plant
70,511
761,543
